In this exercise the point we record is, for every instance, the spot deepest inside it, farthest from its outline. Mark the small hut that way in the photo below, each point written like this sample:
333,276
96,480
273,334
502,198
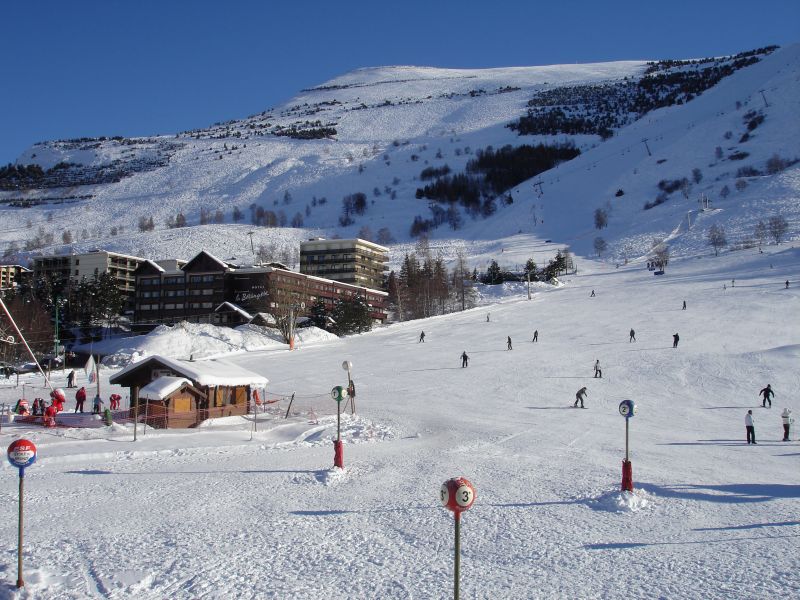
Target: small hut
183,393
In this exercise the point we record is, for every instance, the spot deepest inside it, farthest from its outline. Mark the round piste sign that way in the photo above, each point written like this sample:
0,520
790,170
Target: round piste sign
627,408
337,393
22,453
457,494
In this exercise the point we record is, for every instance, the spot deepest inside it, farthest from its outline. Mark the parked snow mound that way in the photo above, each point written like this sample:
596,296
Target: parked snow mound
622,501
199,340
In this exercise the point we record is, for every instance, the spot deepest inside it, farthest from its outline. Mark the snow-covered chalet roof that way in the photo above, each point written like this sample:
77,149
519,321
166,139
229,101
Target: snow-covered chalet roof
162,387
211,373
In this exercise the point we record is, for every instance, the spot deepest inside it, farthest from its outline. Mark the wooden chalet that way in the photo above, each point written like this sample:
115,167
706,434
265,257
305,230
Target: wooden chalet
173,393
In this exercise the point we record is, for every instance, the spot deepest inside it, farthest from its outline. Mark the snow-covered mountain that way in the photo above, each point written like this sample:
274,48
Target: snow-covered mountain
374,131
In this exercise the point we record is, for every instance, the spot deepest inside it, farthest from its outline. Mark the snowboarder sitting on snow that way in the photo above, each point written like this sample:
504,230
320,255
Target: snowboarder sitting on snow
675,339
748,425
633,336
421,337
579,397
786,415
598,372
767,394
464,359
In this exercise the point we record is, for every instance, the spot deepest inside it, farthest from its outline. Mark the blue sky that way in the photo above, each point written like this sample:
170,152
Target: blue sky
90,68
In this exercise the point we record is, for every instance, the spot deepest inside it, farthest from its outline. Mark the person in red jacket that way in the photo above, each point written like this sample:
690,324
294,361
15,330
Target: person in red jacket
59,398
50,415
80,398
114,400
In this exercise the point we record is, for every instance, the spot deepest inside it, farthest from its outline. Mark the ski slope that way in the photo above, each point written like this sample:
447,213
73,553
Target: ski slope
208,513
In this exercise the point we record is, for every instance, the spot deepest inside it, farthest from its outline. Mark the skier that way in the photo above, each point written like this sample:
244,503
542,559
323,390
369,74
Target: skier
114,400
487,317
80,398
733,283
675,339
787,284
464,359
579,397
598,372
97,406
37,408
787,422
421,337
536,336
684,305
751,430
59,398
767,394
71,379
633,336
509,343
592,294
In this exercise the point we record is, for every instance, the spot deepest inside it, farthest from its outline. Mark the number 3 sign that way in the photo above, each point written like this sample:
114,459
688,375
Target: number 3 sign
457,494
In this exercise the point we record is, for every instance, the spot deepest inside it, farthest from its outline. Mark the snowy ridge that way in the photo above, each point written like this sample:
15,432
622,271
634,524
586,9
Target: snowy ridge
393,122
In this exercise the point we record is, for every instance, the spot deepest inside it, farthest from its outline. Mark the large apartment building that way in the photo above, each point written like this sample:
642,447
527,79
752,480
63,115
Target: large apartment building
12,275
357,262
72,268
209,290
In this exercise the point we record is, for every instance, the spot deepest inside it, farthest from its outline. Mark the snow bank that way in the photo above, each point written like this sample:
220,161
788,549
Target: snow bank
199,340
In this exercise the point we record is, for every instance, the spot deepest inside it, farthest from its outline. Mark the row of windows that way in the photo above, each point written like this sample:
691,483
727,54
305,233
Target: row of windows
174,306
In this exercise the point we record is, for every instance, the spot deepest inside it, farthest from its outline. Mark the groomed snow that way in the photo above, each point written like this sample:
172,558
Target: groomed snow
212,513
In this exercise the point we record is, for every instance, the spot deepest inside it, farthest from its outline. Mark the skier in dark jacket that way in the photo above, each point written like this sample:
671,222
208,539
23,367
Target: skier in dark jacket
632,336
464,359
509,343
767,395
71,379
421,337
80,398
684,305
580,396
675,339
536,336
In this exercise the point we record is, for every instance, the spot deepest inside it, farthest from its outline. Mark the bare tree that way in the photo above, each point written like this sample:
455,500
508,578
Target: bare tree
600,245
716,238
660,254
778,226
600,219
